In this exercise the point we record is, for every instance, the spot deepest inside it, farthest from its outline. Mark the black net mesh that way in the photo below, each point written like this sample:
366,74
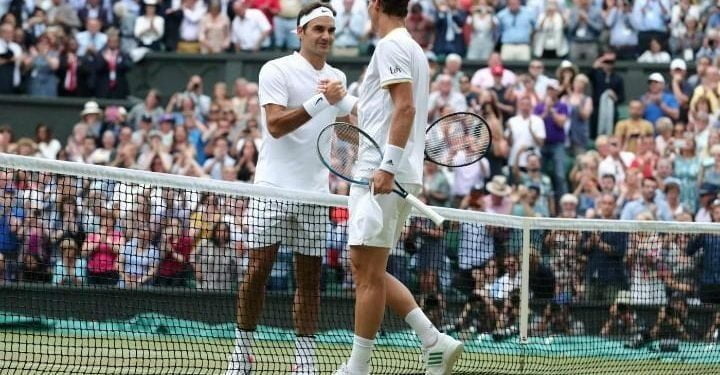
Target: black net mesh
109,276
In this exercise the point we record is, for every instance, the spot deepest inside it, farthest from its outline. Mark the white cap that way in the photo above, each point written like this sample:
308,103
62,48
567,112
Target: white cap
656,77
678,64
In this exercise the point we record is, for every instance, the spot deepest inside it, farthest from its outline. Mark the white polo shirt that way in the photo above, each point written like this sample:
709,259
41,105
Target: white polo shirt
397,58
518,128
246,31
291,161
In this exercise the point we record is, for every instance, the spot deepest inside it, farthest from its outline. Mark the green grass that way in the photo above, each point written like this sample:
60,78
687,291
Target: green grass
35,353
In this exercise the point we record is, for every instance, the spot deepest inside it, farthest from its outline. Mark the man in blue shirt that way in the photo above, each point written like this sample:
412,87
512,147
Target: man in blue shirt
516,28
709,278
11,217
658,102
650,202
652,18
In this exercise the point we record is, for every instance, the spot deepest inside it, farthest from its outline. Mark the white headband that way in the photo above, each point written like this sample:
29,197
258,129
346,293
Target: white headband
317,12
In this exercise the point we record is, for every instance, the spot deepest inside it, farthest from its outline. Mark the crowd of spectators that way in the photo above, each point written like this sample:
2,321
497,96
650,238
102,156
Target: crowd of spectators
559,149
86,47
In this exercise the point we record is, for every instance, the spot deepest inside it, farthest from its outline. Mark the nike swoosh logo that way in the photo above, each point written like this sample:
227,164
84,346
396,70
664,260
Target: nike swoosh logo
318,101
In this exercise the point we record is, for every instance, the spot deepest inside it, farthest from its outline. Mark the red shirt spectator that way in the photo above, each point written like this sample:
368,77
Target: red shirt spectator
269,7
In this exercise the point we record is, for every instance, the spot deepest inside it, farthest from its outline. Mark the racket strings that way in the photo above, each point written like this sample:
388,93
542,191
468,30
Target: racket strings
341,145
457,140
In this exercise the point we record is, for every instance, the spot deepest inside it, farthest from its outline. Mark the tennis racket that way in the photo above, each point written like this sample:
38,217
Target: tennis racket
339,145
457,139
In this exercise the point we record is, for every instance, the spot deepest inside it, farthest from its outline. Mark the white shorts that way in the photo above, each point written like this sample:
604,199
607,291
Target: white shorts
301,227
395,210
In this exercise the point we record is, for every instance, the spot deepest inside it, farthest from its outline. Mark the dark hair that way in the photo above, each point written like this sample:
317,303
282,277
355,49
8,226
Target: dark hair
394,8
310,7
216,228
654,181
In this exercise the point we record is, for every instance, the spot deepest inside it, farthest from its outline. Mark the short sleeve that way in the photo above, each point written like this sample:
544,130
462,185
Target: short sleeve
272,88
262,21
393,63
539,128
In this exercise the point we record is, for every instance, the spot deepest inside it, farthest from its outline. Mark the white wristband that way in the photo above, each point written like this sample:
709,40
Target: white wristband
316,104
347,104
391,158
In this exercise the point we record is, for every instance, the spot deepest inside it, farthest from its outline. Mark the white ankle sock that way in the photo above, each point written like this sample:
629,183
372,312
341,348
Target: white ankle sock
425,330
359,362
305,350
243,342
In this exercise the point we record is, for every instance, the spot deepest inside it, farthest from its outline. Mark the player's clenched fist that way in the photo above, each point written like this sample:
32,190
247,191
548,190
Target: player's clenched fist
333,89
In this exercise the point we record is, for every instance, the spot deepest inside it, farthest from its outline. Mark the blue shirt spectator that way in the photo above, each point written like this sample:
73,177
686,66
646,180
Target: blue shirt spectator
651,15
605,251
710,276
659,103
517,26
622,30
650,201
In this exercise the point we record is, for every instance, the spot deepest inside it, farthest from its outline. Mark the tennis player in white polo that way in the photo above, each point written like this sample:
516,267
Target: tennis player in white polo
393,110
293,113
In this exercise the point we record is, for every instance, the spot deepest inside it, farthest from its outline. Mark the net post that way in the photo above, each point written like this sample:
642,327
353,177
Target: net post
525,283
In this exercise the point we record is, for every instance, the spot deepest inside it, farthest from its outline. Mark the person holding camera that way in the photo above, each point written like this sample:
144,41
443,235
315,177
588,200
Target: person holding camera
623,321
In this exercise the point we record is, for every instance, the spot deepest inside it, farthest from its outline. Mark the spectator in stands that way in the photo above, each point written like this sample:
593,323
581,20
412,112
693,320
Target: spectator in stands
533,177
214,260
631,130
430,253
69,70
250,29
192,13
148,109
176,247
102,247
608,93
652,18
585,25
420,25
549,40
285,24
476,248
214,33
484,79
623,34
581,110
554,114
63,15
92,39
42,62
711,170
113,67
350,24
435,185
445,96
556,320
125,23
36,246
138,259
669,327
498,200
517,23
525,131
483,25
623,322
658,102
654,54
687,38
449,29
150,27
11,57
650,202
687,168
47,145
474,318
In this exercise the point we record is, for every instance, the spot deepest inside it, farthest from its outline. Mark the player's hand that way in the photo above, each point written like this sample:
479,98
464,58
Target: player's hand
383,181
334,90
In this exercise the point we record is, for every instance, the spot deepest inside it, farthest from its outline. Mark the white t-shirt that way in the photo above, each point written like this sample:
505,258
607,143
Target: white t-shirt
397,58
247,31
518,128
291,161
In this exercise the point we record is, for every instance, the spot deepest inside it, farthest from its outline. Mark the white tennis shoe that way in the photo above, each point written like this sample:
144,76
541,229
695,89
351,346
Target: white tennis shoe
240,364
440,358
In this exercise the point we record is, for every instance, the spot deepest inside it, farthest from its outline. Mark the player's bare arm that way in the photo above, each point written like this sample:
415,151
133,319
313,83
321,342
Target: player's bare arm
400,127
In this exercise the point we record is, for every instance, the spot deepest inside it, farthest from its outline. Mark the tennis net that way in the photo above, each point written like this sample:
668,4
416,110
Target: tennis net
120,271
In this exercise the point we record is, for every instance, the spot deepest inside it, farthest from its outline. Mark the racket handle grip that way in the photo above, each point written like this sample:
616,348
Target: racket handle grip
425,209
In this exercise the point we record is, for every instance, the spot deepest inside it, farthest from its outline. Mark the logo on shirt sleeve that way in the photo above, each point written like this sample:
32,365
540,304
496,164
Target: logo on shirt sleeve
395,70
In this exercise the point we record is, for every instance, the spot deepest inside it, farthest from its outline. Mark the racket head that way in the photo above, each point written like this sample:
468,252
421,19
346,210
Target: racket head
339,146
457,139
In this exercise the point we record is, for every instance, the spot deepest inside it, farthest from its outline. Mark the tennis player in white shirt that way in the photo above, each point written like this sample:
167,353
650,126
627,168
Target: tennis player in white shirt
393,110
293,114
